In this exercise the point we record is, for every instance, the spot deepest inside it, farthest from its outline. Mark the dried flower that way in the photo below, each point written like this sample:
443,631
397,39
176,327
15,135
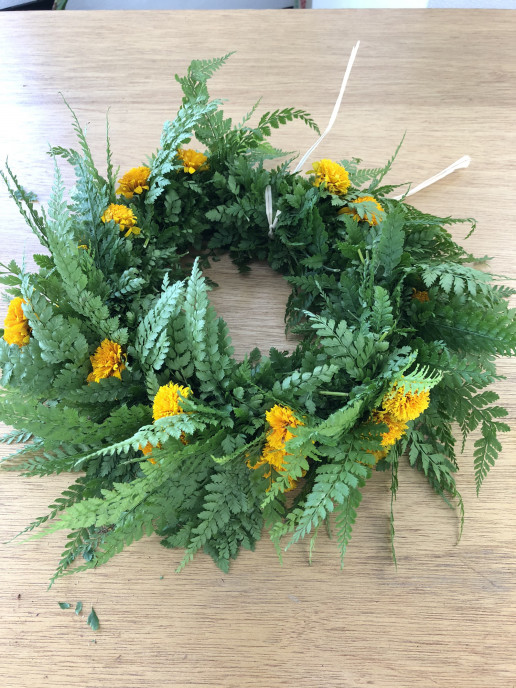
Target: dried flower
420,295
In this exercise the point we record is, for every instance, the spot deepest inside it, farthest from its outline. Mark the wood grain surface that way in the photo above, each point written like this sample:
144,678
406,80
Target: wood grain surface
446,616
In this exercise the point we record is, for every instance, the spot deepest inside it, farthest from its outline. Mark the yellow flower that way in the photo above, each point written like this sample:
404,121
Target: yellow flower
405,406
395,431
17,330
192,160
134,182
333,175
395,428
280,418
377,455
107,361
167,401
148,450
123,216
274,457
420,295
362,199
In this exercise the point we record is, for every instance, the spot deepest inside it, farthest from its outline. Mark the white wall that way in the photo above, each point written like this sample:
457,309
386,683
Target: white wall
178,4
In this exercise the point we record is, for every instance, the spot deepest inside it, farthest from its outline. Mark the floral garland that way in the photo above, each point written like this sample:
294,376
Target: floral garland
116,367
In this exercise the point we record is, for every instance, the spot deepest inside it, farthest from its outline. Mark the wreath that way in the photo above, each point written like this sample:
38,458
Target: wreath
116,367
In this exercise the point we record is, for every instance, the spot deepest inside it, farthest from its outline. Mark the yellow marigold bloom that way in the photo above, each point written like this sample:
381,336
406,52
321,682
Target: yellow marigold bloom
107,361
377,455
148,450
333,175
275,458
280,418
167,403
405,406
192,160
396,428
17,330
420,295
362,199
167,400
123,216
271,456
134,182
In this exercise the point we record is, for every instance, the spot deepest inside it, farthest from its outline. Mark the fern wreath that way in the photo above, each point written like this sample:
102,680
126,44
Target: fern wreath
116,366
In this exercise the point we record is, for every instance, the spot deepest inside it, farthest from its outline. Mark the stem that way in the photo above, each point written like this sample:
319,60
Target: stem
333,394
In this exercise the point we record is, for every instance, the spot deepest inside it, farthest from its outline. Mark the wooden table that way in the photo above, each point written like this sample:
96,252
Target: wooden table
445,617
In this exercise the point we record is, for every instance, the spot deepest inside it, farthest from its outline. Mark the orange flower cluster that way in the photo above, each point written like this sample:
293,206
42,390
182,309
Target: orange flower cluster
420,295
148,450
280,420
398,407
372,219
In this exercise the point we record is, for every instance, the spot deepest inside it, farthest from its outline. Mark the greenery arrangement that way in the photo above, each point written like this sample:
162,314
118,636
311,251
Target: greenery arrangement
116,367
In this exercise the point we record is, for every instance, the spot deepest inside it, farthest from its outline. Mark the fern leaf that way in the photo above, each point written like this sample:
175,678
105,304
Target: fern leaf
390,245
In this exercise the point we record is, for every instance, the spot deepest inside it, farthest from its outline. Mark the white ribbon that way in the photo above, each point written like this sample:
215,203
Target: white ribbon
335,109
457,165
268,211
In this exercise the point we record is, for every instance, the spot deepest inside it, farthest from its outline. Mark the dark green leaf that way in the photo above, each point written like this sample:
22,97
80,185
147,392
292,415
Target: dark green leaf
93,620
